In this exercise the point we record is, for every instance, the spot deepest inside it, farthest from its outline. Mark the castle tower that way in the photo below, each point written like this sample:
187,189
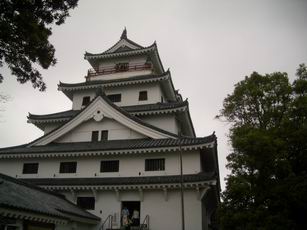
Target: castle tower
120,145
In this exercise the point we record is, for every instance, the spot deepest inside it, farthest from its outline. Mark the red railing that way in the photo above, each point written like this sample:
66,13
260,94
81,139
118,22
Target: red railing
103,71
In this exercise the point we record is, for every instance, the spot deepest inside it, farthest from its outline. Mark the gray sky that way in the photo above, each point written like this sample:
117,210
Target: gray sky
208,46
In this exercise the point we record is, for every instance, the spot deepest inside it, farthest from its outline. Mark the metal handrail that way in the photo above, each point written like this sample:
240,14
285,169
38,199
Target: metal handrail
146,220
110,218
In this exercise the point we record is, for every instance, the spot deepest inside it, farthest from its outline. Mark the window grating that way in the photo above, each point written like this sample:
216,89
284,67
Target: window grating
87,203
154,164
68,167
30,168
95,135
86,100
109,166
143,96
104,135
115,97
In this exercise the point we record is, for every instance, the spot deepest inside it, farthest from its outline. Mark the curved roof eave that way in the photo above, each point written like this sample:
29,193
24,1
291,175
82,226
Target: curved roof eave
131,146
133,110
88,56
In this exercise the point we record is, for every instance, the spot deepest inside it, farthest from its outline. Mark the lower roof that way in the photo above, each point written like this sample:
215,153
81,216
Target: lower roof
110,145
21,196
200,177
131,109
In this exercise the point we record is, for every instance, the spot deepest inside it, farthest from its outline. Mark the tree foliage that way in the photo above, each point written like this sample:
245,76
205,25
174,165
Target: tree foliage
267,186
24,33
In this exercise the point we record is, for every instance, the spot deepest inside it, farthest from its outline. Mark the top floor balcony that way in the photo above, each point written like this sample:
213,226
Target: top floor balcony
118,68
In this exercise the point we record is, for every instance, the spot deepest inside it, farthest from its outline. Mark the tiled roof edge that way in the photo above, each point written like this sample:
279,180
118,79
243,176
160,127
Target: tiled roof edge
98,83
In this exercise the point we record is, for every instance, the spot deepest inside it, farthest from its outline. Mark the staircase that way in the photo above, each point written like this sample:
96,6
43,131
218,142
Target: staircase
108,221
131,228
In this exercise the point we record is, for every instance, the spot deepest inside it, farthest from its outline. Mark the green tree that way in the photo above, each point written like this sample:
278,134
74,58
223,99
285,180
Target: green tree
267,186
25,27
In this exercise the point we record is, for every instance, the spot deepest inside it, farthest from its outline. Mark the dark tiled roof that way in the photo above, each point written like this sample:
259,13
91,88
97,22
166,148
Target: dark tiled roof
153,107
109,145
130,109
108,54
98,83
16,194
124,180
64,114
123,37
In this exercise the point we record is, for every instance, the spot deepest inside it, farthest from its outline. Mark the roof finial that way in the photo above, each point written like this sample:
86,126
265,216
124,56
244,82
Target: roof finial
124,34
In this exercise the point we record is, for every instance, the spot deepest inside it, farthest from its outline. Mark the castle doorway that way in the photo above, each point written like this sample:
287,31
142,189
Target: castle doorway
131,209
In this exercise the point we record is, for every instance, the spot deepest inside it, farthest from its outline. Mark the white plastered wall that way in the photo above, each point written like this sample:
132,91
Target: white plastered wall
167,122
163,213
129,95
78,97
129,166
83,132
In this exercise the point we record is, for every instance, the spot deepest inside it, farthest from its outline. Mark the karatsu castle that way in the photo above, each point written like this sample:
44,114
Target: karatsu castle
125,154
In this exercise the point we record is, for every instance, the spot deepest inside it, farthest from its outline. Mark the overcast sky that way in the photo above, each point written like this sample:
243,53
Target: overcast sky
208,46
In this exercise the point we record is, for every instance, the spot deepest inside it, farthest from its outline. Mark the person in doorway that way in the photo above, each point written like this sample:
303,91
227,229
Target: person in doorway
125,218
135,218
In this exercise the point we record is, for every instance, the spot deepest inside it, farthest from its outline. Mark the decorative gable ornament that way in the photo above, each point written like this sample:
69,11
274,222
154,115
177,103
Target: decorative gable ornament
98,116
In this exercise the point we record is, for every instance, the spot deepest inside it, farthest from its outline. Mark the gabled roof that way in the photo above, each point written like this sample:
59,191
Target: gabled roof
137,110
125,48
122,53
99,108
20,196
124,44
131,145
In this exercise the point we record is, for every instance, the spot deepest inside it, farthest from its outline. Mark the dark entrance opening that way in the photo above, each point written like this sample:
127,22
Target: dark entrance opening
134,212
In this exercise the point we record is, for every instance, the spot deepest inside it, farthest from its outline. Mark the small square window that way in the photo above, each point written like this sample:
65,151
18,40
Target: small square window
109,166
30,168
86,100
143,96
115,97
104,135
154,164
87,203
68,167
95,135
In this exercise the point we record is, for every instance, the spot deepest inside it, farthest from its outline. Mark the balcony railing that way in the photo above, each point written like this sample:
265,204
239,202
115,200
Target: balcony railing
126,68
